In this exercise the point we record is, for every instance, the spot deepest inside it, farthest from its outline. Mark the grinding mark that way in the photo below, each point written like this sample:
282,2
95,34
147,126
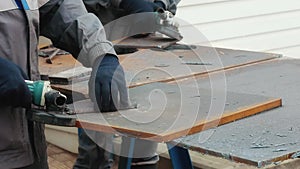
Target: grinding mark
196,63
281,135
240,56
280,150
278,145
254,142
162,65
283,144
263,140
258,146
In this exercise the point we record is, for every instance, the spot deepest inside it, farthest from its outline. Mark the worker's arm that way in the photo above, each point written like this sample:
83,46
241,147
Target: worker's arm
136,6
13,89
70,27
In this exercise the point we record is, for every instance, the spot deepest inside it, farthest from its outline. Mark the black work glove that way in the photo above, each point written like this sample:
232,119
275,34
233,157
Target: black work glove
13,89
107,84
139,6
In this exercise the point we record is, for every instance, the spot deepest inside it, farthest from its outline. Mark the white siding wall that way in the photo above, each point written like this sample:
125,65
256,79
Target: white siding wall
257,25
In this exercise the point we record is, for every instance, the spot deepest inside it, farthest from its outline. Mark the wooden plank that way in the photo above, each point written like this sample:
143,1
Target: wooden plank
276,129
158,122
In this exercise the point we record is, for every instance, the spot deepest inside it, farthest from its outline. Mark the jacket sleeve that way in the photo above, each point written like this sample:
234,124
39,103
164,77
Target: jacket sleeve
70,27
171,5
13,89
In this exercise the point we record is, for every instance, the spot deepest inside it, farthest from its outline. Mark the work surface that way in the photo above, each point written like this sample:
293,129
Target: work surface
157,65
187,109
267,137
166,112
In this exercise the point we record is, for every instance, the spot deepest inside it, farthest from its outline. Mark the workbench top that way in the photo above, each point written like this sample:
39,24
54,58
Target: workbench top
265,138
192,79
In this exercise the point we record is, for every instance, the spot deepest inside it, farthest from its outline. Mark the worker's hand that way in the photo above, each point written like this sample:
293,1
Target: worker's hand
107,84
13,89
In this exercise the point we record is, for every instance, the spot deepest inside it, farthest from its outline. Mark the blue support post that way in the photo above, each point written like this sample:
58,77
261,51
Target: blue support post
180,157
125,162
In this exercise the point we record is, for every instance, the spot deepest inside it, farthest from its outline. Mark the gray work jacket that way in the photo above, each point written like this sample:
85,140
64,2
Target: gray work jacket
70,27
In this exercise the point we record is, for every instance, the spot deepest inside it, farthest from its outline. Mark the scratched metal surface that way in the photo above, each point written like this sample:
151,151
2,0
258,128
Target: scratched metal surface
150,41
261,138
148,65
164,110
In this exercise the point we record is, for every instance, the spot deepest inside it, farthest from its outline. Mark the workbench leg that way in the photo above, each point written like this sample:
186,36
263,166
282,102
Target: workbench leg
180,157
125,162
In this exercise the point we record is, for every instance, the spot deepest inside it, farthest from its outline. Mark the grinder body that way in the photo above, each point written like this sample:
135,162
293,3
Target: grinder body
52,105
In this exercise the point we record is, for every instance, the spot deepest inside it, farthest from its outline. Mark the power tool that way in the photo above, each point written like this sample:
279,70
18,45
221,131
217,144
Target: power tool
168,25
50,105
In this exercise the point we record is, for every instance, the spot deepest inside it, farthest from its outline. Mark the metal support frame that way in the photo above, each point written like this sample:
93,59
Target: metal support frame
180,157
125,161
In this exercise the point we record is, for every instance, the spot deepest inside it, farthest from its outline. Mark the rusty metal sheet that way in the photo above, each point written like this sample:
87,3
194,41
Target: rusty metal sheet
167,111
150,41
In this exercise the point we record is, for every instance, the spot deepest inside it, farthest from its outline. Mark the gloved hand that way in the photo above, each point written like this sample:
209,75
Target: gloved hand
107,84
13,89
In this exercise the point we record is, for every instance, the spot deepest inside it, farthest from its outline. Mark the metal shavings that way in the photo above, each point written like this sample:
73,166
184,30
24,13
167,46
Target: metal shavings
280,149
260,146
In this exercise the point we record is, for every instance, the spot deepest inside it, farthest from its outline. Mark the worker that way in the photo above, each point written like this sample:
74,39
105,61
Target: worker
95,149
71,28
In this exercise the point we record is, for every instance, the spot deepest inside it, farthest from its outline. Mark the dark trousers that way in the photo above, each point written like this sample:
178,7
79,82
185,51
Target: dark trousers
90,154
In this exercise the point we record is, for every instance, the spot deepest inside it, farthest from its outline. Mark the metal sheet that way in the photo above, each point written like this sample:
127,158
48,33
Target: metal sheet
264,138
